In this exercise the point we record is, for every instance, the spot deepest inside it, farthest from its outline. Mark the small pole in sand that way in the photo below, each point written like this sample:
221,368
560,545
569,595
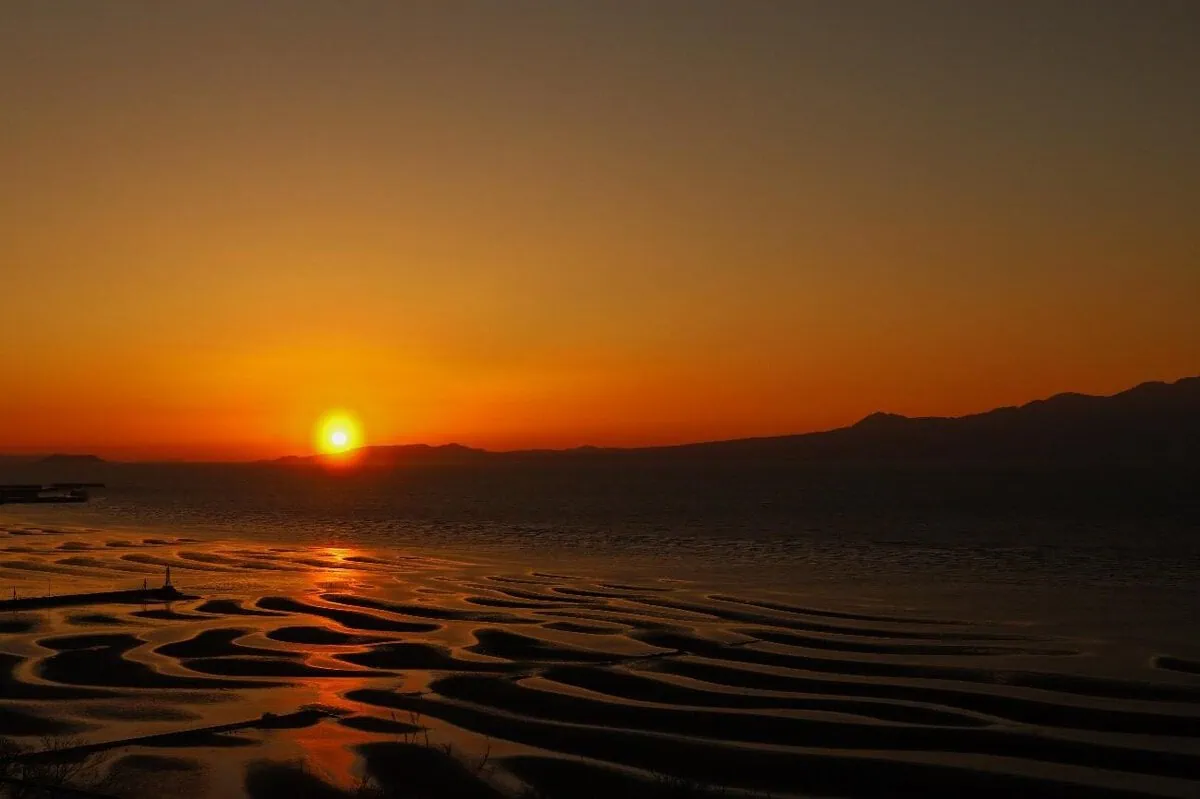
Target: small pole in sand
167,584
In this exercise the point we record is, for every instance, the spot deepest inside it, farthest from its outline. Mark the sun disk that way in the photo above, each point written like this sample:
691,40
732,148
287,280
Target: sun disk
338,432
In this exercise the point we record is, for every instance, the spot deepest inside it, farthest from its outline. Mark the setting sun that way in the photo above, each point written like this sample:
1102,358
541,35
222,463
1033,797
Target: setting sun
337,432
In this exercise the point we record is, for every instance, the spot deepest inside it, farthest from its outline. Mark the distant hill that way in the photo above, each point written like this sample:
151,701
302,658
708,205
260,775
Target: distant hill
1153,423
1150,424
62,459
398,455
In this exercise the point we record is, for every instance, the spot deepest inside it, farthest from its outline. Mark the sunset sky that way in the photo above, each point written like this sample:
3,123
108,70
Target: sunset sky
515,224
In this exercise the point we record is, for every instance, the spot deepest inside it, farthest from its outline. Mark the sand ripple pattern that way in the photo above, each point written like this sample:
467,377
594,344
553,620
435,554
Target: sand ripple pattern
578,679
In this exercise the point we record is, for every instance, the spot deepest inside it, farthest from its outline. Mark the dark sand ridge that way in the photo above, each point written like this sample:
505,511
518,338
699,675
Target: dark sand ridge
220,642
379,725
633,616
419,656
516,698
347,618
370,559
1066,683
512,646
513,604
531,596
843,645
19,721
517,580
242,563
168,614
1177,664
322,564
97,563
624,685
803,610
816,627
296,557
585,629
590,593
129,711
750,768
642,623
273,667
99,659
97,620
45,567
233,607
630,606
17,625
14,688
407,564
632,621
424,611
321,636
177,563
28,722
1014,708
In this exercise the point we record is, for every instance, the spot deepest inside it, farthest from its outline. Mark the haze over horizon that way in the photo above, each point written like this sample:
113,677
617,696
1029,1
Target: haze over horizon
540,225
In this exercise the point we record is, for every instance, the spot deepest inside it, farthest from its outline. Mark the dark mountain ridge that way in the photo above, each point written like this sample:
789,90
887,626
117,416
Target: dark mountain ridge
1152,424
399,455
66,459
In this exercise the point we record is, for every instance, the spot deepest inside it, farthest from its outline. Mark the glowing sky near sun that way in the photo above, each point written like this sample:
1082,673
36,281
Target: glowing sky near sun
583,222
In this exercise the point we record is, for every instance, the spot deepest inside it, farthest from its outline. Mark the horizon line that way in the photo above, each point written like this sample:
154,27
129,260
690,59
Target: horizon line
42,455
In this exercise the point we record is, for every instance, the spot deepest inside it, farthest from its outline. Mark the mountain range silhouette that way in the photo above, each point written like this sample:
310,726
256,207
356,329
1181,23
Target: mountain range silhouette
1152,424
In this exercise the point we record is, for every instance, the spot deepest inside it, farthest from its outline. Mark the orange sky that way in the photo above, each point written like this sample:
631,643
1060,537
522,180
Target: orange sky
517,225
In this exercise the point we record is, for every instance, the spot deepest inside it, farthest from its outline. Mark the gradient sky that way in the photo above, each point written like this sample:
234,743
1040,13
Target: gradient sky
551,223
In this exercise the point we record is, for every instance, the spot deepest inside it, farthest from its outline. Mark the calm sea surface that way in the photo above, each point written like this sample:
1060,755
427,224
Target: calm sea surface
1095,552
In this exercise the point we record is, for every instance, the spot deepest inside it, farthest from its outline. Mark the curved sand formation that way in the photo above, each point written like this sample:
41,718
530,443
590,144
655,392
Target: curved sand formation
585,686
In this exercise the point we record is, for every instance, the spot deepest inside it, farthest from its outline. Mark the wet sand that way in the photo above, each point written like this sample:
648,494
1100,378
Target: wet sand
368,663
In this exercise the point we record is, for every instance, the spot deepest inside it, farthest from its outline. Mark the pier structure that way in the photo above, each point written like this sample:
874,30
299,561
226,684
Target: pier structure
164,593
